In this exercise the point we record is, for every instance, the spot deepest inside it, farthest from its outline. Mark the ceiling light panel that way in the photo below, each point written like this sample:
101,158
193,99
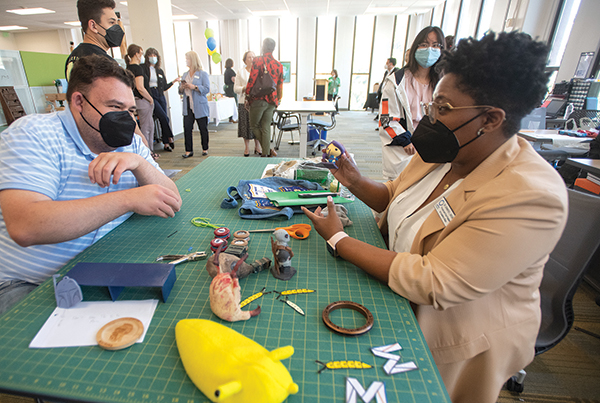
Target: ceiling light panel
11,28
31,11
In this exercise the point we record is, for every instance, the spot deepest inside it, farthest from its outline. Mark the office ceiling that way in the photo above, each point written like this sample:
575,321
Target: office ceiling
66,10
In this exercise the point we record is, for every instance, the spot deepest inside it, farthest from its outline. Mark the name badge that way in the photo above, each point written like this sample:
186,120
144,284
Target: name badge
444,211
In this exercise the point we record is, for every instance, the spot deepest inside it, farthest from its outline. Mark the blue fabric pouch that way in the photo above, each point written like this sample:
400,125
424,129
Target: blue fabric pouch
254,203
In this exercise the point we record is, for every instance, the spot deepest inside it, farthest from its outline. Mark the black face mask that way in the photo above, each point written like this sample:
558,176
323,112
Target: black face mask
436,143
116,128
114,36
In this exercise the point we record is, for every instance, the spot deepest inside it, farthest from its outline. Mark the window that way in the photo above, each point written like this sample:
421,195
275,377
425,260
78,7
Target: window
214,68
451,17
183,44
363,38
400,46
287,53
325,41
563,31
469,14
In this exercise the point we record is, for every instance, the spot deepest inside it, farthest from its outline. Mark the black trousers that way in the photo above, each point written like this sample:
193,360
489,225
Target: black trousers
188,126
160,111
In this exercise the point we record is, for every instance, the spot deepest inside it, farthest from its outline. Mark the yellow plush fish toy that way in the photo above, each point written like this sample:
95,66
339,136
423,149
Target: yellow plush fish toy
229,367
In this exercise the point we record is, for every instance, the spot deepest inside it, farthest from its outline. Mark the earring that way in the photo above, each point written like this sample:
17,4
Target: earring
480,132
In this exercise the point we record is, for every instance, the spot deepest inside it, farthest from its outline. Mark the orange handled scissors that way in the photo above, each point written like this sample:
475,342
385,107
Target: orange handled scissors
298,231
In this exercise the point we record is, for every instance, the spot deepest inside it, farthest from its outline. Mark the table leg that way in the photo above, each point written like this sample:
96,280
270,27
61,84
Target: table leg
303,136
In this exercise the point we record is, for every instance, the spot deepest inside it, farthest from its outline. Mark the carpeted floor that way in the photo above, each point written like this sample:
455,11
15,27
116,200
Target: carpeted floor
569,373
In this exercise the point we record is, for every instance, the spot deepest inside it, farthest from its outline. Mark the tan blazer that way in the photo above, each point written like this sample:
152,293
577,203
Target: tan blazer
475,282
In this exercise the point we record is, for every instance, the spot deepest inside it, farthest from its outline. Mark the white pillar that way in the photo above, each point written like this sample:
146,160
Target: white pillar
151,23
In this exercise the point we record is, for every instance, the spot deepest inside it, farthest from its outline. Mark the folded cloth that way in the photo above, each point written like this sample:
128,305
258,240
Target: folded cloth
256,205
342,212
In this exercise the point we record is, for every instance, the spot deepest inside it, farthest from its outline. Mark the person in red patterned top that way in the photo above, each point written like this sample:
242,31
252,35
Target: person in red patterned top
262,107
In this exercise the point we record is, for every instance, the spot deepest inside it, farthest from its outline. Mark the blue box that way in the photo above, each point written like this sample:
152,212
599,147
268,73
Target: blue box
591,103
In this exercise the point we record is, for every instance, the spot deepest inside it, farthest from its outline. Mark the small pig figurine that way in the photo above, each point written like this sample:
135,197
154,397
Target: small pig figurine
225,296
332,153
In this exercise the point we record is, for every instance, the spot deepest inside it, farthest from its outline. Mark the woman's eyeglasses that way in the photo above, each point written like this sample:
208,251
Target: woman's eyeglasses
434,109
424,45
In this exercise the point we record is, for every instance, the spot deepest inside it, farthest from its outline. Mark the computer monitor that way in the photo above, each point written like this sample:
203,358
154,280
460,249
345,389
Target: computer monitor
554,107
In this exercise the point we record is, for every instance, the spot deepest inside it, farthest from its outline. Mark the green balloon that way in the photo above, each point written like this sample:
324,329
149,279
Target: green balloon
208,33
216,57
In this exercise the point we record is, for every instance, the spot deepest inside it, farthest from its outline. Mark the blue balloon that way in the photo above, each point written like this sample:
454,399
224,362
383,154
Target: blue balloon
211,43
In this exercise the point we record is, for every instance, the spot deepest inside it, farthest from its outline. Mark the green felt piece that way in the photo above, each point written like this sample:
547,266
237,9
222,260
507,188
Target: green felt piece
282,199
152,371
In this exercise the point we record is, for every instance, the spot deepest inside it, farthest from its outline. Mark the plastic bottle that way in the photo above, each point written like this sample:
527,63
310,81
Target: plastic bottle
568,111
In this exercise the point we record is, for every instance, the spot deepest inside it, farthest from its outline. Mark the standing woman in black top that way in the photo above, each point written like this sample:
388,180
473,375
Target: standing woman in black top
158,85
229,83
143,99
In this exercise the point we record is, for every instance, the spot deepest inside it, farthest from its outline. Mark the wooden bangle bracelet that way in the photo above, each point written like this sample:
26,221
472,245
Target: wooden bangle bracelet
350,305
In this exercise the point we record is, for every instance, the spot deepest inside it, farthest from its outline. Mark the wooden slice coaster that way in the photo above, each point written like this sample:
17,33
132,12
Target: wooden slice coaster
120,333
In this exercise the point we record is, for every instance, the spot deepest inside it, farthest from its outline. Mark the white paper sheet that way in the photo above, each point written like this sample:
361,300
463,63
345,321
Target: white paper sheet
77,326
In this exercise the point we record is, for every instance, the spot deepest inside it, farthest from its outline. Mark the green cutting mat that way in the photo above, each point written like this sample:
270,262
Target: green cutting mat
152,371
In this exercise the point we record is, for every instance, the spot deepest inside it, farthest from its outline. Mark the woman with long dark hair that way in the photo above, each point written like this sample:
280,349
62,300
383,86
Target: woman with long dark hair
143,100
401,96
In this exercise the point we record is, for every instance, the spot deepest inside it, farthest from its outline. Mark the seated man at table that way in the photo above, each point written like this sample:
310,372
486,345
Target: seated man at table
68,178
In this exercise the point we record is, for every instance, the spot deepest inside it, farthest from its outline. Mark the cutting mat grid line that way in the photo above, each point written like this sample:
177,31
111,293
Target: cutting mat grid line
152,371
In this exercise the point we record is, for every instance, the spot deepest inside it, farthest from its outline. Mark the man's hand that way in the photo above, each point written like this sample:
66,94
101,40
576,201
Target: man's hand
154,200
410,149
325,226
112,164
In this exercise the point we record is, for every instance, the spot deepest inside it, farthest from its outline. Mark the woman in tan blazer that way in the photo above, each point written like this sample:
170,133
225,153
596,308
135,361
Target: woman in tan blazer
471,220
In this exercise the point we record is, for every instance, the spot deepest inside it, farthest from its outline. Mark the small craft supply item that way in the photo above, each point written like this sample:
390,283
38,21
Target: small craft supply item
176,259
215,243
332,153
67,292
228,367
375,392
222,232
238,247
225,296
392,367
282,267
293,306
254,297
293,292
342,365
242,234
120,333
204,222
297,231
223,262
350,305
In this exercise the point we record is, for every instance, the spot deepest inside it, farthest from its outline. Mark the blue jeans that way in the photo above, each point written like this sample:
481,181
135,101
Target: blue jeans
11,292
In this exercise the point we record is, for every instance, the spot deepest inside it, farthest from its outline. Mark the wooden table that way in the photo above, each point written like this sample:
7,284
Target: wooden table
304,108
152,371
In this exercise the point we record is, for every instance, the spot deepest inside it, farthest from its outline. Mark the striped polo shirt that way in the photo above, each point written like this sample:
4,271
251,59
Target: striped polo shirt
46,154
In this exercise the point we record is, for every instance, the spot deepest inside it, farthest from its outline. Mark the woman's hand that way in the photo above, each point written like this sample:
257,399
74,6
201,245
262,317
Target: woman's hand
410,149
325,226
347,173
178,79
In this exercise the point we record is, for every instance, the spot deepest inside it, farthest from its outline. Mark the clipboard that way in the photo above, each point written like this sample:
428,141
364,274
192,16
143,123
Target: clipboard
283,199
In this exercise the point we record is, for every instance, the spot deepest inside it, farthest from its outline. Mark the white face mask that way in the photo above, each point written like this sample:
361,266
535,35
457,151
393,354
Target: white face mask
142,60
153,59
